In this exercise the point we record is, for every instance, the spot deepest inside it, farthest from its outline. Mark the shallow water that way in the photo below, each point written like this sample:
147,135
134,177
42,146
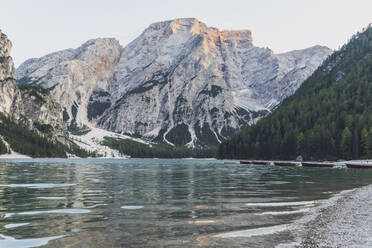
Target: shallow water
159,203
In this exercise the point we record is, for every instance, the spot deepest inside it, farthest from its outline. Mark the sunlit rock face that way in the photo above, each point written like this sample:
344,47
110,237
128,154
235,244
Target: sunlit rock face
183,82
73,74
8,88
30,105
180,81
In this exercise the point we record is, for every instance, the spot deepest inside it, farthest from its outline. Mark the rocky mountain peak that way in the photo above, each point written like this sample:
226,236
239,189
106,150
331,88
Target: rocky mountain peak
200,82
100,48
5,45
73,74
6,63
192,26
8,89
237,34
180,82
27,104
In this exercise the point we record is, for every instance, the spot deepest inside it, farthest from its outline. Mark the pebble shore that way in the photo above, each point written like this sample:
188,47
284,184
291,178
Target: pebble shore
347,223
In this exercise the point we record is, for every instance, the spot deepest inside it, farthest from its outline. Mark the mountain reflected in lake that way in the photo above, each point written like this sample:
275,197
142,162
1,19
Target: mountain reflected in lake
159,203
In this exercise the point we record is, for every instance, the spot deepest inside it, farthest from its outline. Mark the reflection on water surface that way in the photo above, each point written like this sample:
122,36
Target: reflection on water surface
158,203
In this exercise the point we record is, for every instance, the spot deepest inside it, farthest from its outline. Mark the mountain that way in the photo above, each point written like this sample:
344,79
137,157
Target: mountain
180,82
30,118
71,75
329,116
29,103
8,86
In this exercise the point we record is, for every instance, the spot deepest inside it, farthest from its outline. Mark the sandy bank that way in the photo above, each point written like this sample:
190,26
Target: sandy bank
346,223
13,155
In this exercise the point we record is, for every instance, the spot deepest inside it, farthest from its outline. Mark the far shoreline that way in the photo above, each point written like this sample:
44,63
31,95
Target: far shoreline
3,157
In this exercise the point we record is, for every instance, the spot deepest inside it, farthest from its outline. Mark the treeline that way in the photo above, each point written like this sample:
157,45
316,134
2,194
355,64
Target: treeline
140,150
3,148
329,117
29,142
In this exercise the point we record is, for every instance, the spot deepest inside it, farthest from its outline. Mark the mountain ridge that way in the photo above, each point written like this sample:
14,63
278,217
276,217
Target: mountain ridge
180,82
328,118
30,118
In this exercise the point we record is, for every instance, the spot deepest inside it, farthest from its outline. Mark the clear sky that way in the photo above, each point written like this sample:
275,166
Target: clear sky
38,27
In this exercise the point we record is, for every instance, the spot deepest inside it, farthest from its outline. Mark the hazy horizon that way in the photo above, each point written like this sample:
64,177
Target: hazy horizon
39,27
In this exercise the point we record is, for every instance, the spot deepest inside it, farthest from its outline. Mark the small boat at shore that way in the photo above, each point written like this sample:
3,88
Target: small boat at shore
314,164
262,162
294,164
256,162
246,162
359,165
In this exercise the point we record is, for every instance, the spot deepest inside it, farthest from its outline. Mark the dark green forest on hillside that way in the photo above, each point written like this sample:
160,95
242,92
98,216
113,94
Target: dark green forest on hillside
26,141
3,148
29,142
158,150
329,116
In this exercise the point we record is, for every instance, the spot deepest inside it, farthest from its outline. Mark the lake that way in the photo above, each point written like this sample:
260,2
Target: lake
160,203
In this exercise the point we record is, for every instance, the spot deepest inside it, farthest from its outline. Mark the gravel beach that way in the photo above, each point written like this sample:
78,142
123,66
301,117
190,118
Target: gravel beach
347,223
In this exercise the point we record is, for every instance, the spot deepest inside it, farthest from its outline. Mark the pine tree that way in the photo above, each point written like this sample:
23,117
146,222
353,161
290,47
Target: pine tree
364,141
346,141
369,144
301,145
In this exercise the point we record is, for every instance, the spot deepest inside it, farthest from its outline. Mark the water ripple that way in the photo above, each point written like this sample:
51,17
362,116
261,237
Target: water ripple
37,185
10,242
56,211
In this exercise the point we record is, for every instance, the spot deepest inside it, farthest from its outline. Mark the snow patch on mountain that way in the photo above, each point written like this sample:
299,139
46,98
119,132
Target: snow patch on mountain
92,141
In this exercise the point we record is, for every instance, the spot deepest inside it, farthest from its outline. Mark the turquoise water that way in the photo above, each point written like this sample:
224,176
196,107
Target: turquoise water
159,203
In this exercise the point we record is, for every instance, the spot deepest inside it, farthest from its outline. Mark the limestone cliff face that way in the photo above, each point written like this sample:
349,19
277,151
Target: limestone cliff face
31,104
73,74
8,87
180,81
41,109
183,82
